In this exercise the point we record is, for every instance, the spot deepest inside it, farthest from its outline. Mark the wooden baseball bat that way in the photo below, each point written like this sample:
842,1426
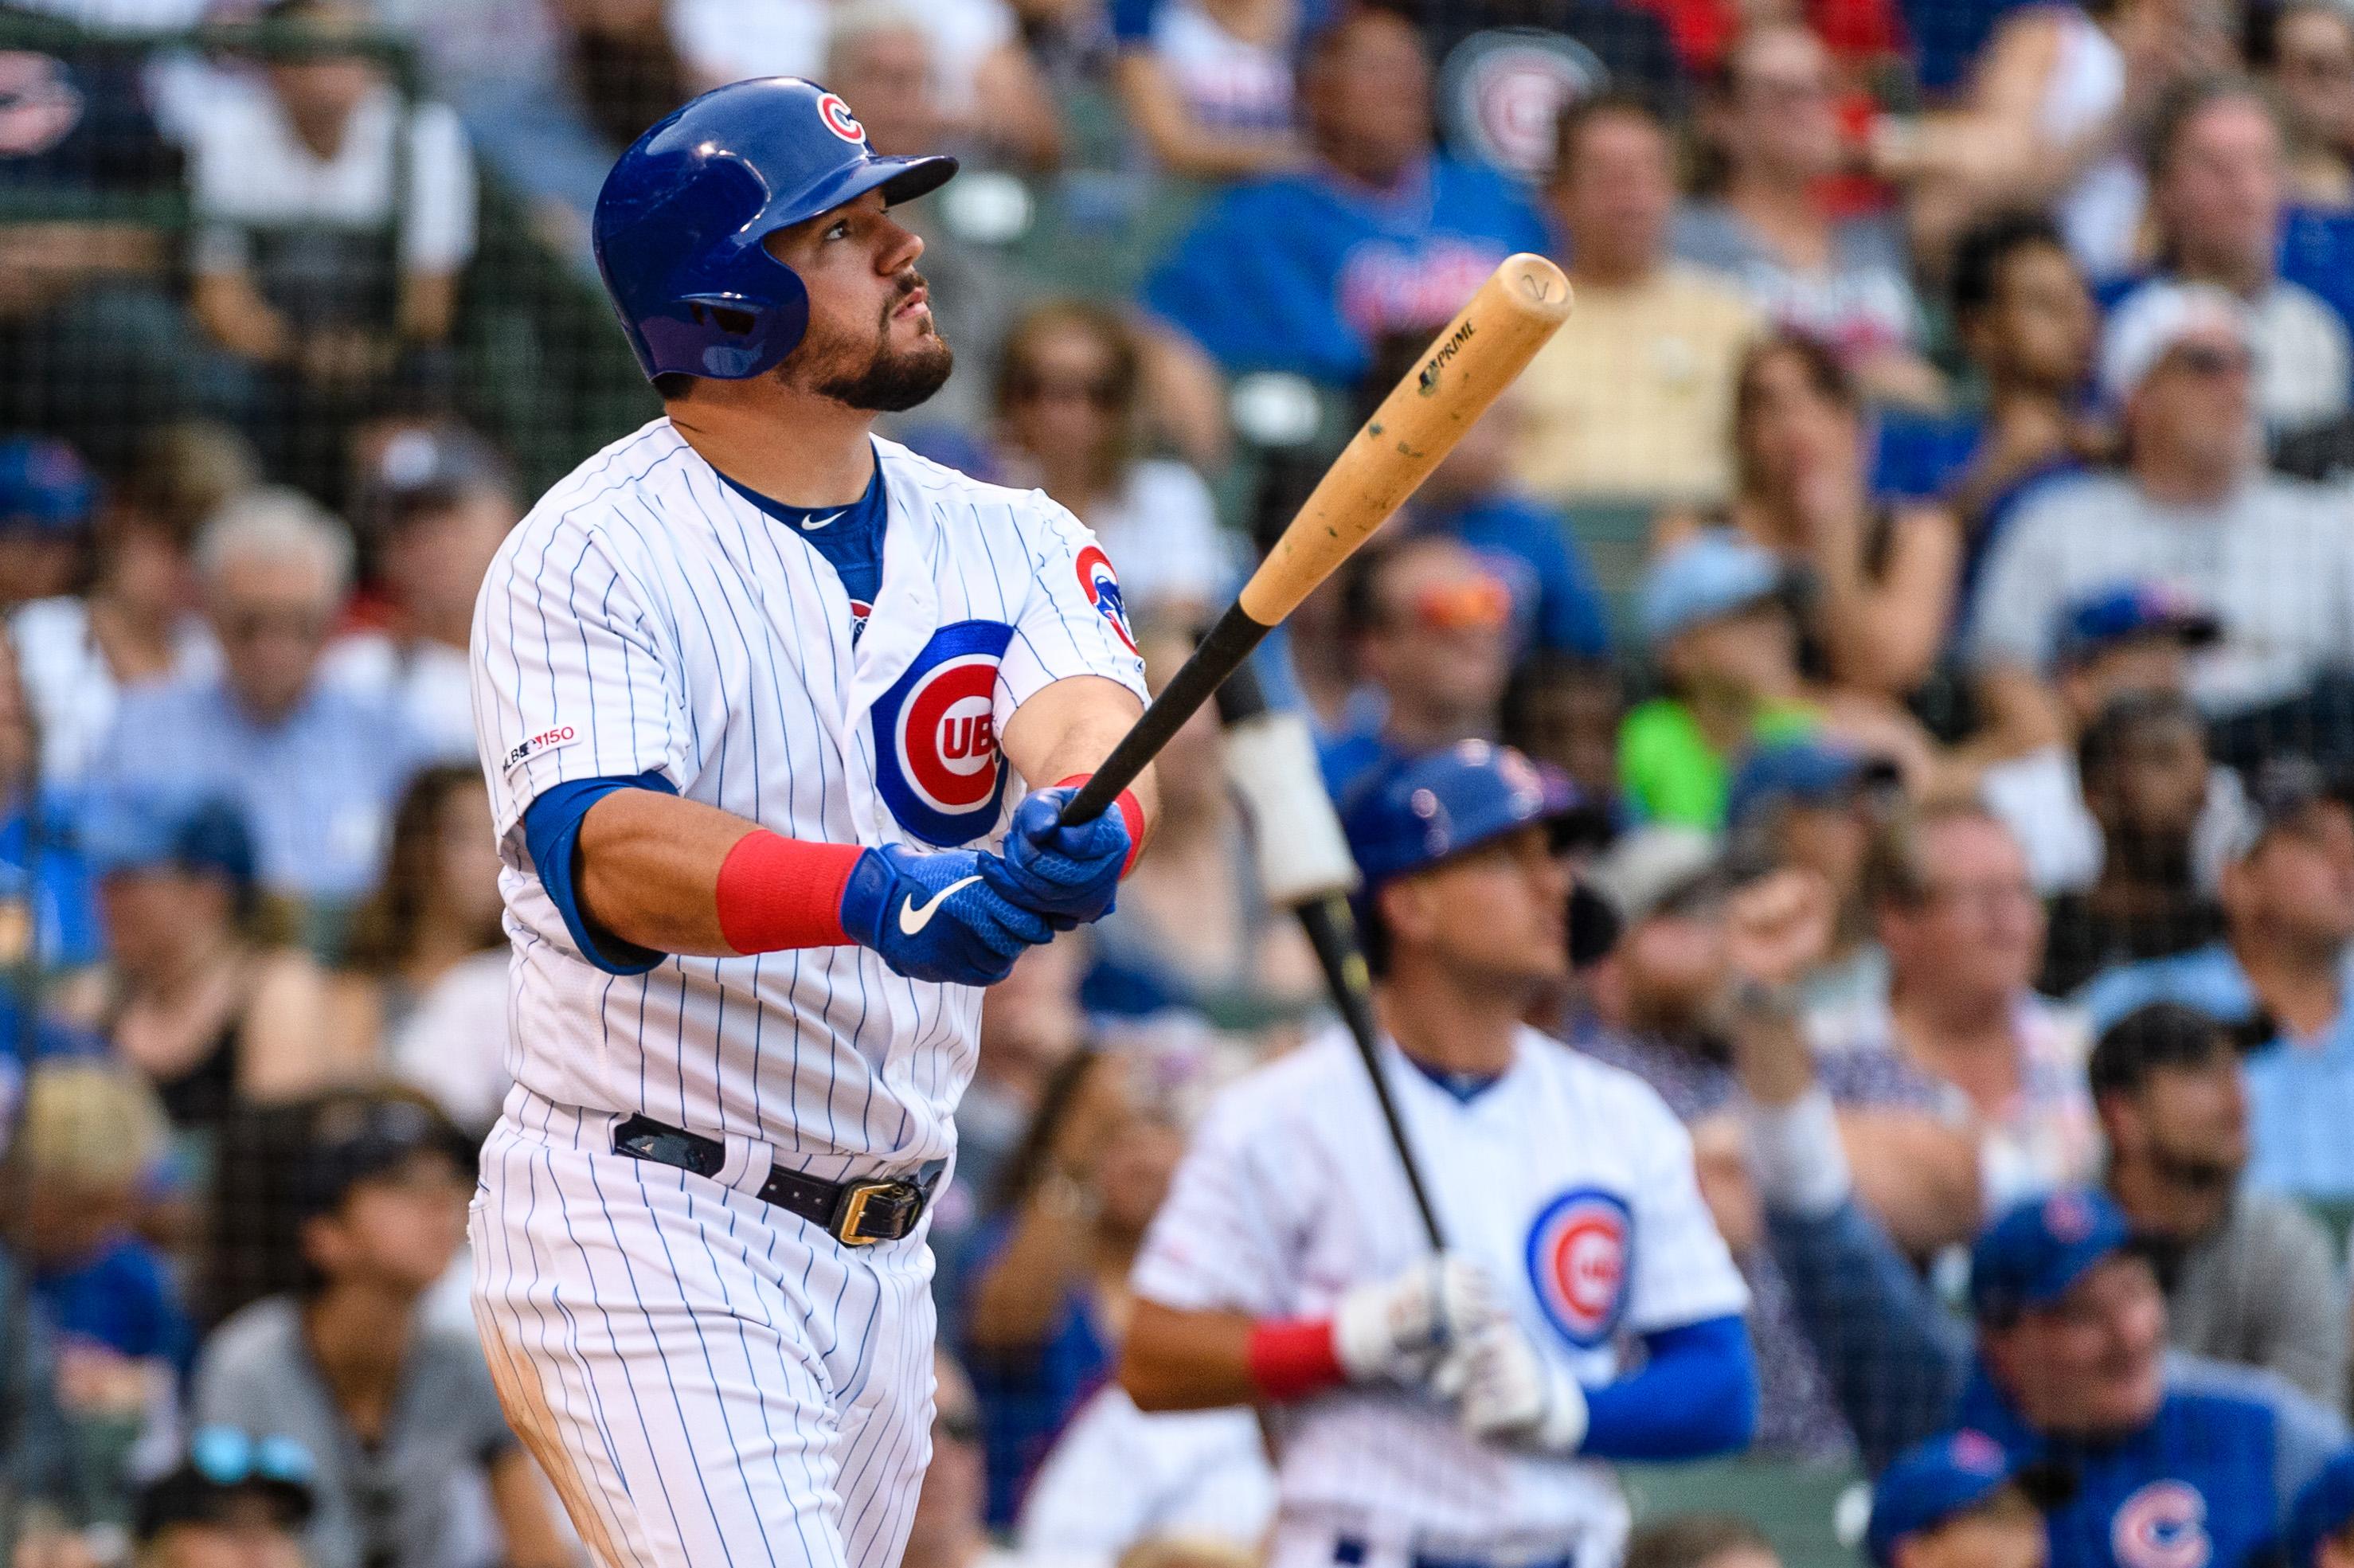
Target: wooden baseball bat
1475,356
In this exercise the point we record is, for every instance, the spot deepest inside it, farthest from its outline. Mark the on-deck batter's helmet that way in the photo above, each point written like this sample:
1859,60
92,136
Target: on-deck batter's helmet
680,221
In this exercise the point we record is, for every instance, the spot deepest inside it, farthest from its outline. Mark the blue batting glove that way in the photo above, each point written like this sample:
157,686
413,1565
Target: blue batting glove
1065,873
934,916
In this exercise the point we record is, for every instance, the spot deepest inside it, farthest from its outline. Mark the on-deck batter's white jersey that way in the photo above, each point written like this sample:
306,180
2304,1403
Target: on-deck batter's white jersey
645,618
1568,1179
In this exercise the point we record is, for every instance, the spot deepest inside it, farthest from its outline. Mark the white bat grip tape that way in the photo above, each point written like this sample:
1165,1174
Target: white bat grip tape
1271,763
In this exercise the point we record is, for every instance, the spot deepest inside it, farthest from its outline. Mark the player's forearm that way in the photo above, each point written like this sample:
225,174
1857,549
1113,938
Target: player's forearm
1188,1361
648,867
1069,728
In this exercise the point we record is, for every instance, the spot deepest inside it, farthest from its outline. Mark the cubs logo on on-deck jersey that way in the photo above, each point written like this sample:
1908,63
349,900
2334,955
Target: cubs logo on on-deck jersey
2164,1525
936,759
1101,585
1579,1253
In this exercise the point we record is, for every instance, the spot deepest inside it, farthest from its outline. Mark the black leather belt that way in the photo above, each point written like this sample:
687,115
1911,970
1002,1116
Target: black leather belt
1350,1551
857,1213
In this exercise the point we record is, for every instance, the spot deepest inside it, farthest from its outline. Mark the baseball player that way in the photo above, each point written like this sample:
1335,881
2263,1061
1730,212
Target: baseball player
759,695
1448,1408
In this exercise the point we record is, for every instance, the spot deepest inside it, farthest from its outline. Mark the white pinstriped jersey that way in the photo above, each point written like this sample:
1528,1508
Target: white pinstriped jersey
645,618
1567,1180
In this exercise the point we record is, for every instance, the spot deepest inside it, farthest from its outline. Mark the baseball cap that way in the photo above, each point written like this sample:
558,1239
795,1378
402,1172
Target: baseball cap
1656,868
1937,1480
1414,813
1809,770
355,1138
2094,622
2156,318
2037,1251
2322,1510
1707,577
44,486
136,831
2278,792
223,1466
420,468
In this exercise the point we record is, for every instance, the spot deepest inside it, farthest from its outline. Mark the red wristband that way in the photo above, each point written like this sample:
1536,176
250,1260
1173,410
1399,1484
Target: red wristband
1131,811
1294,1357
776,893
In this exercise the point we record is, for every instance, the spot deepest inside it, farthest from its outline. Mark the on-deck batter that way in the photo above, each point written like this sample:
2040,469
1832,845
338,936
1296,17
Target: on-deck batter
1446,1411
759,695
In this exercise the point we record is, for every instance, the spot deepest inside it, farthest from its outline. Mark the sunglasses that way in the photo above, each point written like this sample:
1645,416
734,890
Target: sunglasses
1480,603
1102,391
228,1458
2207,361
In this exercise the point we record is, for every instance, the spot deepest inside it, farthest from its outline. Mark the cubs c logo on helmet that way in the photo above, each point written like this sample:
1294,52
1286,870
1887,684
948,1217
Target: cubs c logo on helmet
1579,1252
840,119
2164,1525
1101,585
936,757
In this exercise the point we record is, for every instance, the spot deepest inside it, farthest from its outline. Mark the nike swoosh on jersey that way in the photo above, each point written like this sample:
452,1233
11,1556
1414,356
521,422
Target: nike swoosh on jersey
915,917
812,525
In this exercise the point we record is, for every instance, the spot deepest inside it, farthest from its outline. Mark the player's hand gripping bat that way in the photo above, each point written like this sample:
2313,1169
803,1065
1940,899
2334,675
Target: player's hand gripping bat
1474,358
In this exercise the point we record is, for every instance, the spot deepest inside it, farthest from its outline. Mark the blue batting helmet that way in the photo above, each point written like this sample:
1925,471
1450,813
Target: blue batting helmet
679,224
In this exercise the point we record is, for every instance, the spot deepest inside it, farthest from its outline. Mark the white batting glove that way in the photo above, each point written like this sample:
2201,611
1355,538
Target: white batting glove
1397,1328
1506,1390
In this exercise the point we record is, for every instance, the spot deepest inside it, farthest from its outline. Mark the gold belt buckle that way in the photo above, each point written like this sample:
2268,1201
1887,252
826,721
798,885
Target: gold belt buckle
850,1219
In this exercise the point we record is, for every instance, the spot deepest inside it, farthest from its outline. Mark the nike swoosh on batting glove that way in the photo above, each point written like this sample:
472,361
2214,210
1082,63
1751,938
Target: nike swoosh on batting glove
1067,874
933,915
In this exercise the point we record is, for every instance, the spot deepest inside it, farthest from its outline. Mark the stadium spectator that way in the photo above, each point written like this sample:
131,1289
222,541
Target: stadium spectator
1048,1295
1638,402
1959,1033
2218,179
349,1368
2065,1358
1876,578
234,1502
1207,86
1844,282
1959,1501
2321,1532
193,994
49,909
1471,496
2192,508
333,218
884,58
1306,272
1193,929
47,495
314,769
137,621
435,503
621,63
1820,806
426,971
2277,980
2027,323
2307,53
1428,623
1700,1540
1662,1003
1567,712
987,87
2248,1275
1069,421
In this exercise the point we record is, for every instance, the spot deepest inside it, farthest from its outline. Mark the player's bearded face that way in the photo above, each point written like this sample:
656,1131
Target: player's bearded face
887,368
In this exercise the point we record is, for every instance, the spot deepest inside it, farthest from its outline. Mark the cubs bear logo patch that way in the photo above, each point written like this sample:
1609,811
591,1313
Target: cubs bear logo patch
2164,1525
1101,585
935,760
1579,1252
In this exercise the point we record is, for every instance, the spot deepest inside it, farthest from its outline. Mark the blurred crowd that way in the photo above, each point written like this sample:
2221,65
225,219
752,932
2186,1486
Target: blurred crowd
1928,555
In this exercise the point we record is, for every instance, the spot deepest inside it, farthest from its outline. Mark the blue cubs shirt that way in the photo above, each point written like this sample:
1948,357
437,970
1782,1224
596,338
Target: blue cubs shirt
2205,1485
1305,271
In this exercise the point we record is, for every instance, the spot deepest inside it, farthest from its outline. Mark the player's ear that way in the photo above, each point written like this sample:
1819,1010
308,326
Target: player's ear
1405,909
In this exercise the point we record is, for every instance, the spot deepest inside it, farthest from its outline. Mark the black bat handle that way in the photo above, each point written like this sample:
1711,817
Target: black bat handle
1221,654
